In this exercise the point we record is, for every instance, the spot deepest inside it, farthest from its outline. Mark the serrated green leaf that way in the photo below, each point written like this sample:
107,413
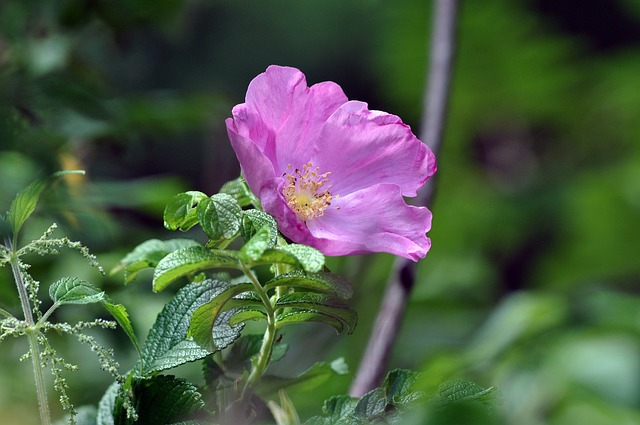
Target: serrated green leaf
308,316
167,345
320,303
220,217
119,312
456,391
309,259
106,406
321,281
189,260
246,314
372,405
26,200
71,290
311,378
160,399
254,220
148,254
203,318
256,246
398,386
224,334
246,347
240,191
181,211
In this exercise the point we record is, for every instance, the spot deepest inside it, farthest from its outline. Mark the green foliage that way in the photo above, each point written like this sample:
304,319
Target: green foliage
65,291
148,254
157,400
383,405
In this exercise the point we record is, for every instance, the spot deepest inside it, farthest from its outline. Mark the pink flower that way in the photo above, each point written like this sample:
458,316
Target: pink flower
331,172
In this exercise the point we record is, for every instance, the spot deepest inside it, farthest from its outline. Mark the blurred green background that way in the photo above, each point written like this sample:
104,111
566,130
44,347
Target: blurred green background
532,283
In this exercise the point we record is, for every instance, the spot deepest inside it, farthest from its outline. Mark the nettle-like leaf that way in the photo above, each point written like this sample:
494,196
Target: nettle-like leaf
26,200
385,404
119,312
311,378
239,190
203,319
321,304
71,290
461,391
308,259
167,345
253,221
398,386
181,211
190,260
159,399
322,282
220,217
148,254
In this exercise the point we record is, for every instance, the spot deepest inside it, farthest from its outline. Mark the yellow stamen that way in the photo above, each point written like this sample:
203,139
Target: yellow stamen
307,192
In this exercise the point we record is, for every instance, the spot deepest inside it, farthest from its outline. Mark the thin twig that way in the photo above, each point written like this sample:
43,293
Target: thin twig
402,279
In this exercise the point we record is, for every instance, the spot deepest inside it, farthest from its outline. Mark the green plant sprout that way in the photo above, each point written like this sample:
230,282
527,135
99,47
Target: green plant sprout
68,290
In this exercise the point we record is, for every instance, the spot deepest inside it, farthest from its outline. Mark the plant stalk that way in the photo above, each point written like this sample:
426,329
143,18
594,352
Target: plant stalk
264,355
401,282
32,336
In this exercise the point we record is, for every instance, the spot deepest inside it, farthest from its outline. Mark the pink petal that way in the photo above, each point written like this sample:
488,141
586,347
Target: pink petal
375,219
283,116
256,167
362,147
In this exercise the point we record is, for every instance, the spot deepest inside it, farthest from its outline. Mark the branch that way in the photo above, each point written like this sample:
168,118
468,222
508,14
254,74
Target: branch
402,279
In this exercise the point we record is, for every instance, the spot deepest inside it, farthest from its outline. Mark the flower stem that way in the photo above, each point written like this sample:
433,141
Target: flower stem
264,355
32,336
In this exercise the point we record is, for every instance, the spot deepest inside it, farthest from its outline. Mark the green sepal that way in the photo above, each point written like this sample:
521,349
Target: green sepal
240,191
26,200
204,317
167,345
181,211
308,259
319,303
311,378
322,282
220,217
148,254
253,221
190,260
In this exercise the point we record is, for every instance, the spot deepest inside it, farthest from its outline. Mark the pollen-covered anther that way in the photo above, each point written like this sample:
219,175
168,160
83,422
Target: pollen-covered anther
307,191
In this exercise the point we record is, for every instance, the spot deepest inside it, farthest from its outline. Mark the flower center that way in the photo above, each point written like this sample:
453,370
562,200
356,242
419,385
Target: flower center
307,192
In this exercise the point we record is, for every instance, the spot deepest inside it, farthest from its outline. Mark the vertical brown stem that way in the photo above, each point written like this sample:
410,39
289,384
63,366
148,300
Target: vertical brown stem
401,282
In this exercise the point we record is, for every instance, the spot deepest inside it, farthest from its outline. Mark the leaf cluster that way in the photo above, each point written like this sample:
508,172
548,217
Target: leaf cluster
263,278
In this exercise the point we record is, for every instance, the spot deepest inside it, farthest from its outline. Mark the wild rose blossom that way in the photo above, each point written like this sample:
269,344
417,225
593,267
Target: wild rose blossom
331,172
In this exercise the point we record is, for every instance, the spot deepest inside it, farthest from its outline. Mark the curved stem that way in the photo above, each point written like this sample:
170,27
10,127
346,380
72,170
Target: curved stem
401,282
32,336
264,355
